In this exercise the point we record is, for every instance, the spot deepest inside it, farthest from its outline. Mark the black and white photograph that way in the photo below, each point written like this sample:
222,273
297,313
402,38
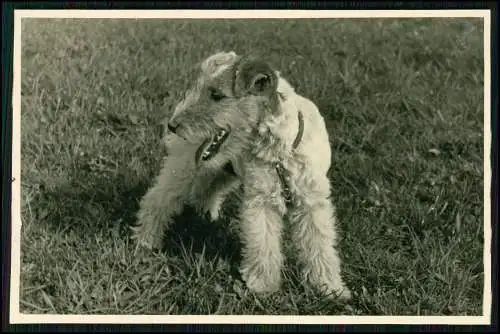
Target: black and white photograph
251,166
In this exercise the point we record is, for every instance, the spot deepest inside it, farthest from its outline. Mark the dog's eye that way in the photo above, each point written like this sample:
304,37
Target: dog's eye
216,95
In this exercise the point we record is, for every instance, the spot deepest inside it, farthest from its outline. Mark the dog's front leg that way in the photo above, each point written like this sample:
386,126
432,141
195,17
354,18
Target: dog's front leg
261,230
314,232
164,200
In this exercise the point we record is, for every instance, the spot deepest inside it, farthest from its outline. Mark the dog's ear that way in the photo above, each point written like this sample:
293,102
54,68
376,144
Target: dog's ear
254,76
213,62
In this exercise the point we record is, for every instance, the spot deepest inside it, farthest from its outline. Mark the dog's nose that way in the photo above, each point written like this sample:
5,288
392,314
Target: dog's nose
172,127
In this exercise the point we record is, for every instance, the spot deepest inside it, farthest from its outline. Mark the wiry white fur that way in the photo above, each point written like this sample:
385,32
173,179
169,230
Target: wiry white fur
263,211
312,217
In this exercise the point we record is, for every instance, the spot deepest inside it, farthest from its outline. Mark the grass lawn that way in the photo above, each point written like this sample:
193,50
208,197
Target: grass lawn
402,99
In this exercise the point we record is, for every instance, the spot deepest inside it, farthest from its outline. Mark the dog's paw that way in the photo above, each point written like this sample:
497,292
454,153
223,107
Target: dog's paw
209,217
143,239
258,281
343,294
213,213
334,289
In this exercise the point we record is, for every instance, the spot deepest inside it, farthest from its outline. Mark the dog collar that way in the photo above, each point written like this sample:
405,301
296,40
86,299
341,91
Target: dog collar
300,133
280,169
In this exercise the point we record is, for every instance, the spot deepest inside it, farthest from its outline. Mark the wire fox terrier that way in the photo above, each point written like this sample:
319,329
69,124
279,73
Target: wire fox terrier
242,125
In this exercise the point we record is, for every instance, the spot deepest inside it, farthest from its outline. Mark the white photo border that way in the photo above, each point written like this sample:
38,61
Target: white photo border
18,318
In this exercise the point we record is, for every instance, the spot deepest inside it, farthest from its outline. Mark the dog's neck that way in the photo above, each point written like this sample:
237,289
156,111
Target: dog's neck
286,96
285,125
282,132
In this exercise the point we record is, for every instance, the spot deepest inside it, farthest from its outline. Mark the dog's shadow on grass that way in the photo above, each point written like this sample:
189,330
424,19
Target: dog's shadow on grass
190,233
93,203
107,206
198,235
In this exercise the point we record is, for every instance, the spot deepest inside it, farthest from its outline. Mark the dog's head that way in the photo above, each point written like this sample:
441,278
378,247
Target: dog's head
223,107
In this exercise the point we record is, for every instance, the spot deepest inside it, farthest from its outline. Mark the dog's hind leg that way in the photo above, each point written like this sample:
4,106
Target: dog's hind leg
224,184
220,193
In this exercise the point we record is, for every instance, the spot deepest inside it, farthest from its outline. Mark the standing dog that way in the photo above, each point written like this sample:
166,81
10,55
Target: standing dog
242,124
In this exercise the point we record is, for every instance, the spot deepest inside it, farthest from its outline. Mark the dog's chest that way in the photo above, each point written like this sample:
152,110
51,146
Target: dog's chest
282,153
